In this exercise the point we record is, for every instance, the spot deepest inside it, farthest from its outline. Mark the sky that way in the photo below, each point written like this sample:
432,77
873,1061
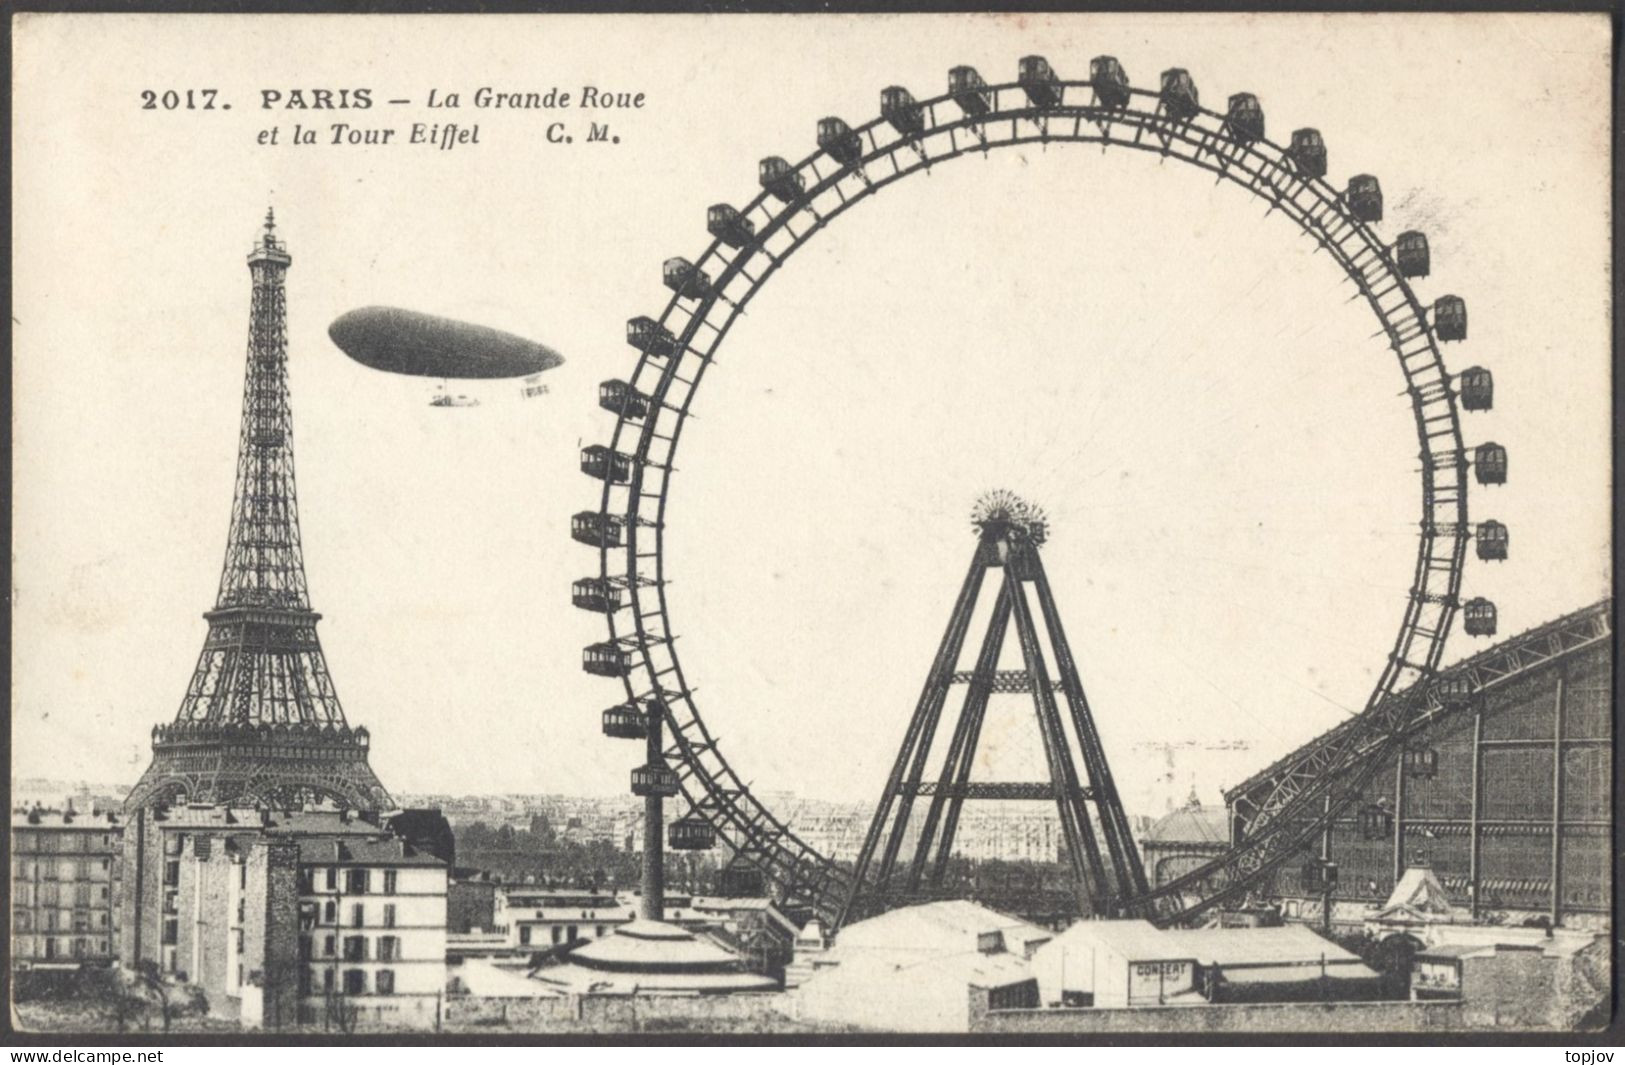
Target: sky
1222,447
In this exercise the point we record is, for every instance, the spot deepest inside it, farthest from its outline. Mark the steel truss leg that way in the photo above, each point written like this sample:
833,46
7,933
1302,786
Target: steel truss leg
1126,864
962,749
1083,851
922,725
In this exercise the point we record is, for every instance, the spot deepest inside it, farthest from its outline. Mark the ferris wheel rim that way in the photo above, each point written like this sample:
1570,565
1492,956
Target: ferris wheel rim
715,789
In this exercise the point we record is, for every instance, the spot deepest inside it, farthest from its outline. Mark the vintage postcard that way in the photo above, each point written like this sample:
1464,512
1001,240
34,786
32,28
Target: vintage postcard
1029,526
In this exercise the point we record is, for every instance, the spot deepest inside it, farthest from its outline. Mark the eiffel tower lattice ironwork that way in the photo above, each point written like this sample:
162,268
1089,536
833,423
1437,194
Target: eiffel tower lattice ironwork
1106,870
261,722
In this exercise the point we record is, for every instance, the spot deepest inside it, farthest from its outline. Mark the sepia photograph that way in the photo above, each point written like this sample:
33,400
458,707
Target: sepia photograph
1143,569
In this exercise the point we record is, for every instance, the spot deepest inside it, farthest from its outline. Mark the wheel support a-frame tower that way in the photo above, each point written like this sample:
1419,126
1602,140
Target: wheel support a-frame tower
1106,868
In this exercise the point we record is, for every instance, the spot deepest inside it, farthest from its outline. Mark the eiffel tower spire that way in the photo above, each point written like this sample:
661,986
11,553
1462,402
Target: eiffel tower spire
261,721
1107,880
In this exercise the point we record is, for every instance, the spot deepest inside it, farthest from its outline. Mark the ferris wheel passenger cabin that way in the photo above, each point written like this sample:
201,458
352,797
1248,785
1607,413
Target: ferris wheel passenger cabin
596,594
1476,387
1244,118
685,279
1411,254
625,722
729,226
1454,692
1319,876
654,780
1039,82
1308,153
650,337
782,181
1450,318
898,107
969,91
1421,762
1490,463
1109,82
1179,99
606,465
691,833
1478,617
1376,821
1364,198
839,141
1491,540
606,660
596,529
618,397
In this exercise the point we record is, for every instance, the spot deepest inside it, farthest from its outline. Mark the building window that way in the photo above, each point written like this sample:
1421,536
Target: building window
389,915
389,948
307,880
304,981
355,881
304,948
386,981
327,946
172,874
330,913
558,933
171,930
355,982
524,935
599,932
327,979
332,879
575,933
390,880
355,948
358,915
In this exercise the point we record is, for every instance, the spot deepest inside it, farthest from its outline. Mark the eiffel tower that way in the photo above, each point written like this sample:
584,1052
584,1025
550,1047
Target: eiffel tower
1105,883
261,723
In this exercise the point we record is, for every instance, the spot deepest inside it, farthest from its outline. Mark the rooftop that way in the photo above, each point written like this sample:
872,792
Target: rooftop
1507,653
946,927
330,851
1138,940
65,819
1202,825
651,956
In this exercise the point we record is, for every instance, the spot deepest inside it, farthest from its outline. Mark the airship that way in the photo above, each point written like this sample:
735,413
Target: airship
408,342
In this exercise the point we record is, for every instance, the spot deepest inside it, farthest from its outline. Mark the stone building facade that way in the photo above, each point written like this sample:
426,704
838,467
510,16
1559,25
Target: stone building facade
65,877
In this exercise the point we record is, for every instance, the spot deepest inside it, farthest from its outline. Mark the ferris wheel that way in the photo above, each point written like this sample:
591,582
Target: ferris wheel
795,201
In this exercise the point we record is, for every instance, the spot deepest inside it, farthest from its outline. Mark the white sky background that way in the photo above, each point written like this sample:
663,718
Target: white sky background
1223,449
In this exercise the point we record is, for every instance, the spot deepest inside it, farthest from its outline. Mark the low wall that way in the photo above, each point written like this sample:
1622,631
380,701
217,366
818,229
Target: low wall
621,1013
1259,1017
465,1012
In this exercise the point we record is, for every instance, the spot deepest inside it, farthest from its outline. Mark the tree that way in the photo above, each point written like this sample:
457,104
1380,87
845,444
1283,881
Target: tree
152,978
340,1012
541,830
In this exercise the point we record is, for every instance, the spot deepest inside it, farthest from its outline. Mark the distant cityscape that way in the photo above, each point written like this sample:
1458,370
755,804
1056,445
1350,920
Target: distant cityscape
991,832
